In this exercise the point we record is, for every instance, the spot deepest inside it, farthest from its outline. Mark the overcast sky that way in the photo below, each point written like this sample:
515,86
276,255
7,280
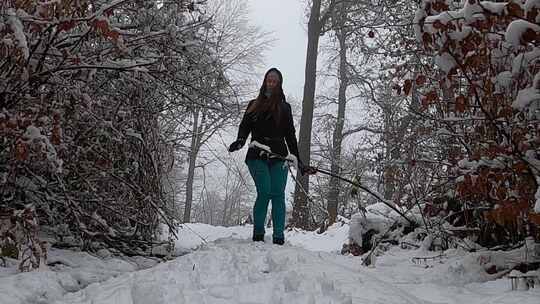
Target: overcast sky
285,18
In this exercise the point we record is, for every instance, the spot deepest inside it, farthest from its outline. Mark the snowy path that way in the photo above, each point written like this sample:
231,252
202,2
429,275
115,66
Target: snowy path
238,271
232,269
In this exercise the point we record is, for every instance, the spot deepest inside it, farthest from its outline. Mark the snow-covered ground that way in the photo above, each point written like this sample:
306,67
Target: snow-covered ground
226,267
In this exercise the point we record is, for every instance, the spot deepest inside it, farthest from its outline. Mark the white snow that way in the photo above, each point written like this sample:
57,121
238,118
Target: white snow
530,4
516,29
537,197
515,273
238,271
227,267
445,62
503,81
529,98
458,35
471,12
494,7
17,28
33,135
443,17
377,217
68,271
523,60
32,132
525,97
192,236
418,16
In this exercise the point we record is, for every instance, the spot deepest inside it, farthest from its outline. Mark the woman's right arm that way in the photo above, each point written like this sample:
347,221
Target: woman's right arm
246,124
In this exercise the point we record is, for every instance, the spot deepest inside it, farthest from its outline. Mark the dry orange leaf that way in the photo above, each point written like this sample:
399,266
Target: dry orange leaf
461,103
21,151
534,217
420,80
407,86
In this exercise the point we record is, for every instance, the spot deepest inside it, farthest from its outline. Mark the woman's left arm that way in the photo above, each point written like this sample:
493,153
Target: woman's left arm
290,133
292,143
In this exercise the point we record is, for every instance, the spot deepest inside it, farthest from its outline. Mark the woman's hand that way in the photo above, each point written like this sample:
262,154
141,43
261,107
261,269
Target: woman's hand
237,145
306,169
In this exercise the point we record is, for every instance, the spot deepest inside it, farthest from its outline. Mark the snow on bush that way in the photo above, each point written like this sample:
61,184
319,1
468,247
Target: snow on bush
482,266
377,220
486,91
76,105
68,271
517,29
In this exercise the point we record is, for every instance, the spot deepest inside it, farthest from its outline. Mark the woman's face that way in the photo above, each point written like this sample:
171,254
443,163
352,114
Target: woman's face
272,80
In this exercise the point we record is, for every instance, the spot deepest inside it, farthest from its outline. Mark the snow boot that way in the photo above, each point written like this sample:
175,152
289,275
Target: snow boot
278,241
258,238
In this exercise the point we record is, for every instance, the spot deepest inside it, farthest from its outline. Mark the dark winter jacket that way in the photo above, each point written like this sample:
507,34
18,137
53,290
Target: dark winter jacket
265,130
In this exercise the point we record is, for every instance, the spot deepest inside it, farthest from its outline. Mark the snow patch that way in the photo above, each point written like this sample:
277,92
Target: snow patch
68,271
192,236
523,60
32,132
525,98
530,4
503,81
537,196
377,218
445,62
529,98
458,35
496,8
516,29
418,16
33,135
17,28
235,270
472,12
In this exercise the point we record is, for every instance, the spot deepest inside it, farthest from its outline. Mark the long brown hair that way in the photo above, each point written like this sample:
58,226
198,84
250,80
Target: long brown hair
270,105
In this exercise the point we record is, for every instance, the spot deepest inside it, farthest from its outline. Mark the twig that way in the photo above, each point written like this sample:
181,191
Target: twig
186,226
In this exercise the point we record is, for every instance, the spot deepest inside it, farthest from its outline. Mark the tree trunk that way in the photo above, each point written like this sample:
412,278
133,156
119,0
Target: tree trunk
333,196
300,206
194,150
392,149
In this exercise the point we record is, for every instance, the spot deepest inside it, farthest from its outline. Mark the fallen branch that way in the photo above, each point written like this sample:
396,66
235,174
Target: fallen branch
416,260
369,191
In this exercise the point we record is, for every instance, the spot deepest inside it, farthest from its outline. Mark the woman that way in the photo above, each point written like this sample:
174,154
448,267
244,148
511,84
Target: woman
269,120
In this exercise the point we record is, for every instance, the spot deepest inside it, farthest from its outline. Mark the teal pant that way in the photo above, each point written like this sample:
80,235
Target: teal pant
270,179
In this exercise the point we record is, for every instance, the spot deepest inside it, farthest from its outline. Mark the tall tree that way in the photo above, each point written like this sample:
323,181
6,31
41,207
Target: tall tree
317,20
193,151
339,24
